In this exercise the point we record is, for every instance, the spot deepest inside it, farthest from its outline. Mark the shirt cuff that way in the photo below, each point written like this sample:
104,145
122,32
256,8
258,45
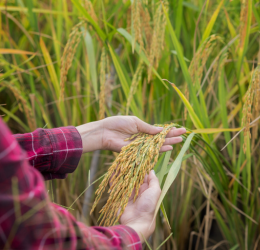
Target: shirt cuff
66,144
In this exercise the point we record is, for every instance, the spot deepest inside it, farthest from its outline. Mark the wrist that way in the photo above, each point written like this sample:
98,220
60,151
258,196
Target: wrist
91,135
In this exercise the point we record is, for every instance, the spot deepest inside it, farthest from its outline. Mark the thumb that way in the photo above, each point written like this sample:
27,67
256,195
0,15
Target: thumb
147,128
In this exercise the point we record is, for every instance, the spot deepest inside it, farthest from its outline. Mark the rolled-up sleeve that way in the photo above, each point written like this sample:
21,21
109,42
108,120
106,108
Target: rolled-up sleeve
54,152
28,219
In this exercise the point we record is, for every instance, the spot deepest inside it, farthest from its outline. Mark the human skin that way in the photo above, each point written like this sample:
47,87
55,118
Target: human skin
110,134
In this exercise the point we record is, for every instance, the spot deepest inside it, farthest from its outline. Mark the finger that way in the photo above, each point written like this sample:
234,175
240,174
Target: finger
172,140
143,188
146,178
154,184
176,132
166,148
147,128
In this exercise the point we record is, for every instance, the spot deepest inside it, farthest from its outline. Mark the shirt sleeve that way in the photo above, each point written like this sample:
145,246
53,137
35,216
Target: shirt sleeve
28,220
54,152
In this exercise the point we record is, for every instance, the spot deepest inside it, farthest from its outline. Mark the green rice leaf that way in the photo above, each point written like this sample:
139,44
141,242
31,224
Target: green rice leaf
124,79
234,247
164,214
50,67
174,170
92,60
211,23
128,37
164,242
84,12
164,166
183,65
147,244
15,118
185,157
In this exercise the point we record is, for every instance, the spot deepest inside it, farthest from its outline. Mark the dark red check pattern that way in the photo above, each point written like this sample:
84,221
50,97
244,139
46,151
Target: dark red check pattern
28,220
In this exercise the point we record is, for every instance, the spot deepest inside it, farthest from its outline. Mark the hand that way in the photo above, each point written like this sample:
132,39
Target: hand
139,214
111,132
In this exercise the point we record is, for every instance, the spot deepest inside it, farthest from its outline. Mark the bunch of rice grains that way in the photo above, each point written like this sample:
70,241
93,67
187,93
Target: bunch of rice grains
127,173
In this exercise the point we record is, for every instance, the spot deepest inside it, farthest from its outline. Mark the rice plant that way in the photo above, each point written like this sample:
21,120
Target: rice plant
73,62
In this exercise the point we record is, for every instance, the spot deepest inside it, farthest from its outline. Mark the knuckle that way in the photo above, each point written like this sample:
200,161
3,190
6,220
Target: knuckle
133,117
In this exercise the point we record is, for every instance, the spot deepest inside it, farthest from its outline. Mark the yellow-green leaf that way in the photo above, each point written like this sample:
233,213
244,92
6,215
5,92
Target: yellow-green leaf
192,114
16,52
174,170
51,70
211,23
214,130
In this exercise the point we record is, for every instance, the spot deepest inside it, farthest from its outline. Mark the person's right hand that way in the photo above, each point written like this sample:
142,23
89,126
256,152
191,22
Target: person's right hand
139,214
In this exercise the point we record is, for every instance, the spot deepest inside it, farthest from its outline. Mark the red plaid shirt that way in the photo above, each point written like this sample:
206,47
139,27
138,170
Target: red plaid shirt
28,220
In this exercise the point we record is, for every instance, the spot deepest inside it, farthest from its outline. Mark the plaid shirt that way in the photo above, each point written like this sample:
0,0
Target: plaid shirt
28,220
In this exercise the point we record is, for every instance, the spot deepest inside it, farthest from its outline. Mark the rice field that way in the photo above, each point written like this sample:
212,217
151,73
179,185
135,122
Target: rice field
192,63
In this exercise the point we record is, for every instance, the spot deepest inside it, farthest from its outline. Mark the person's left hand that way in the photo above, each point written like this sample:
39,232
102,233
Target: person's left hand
110,133
139,214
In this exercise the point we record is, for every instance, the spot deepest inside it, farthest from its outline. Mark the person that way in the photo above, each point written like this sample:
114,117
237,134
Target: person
29,220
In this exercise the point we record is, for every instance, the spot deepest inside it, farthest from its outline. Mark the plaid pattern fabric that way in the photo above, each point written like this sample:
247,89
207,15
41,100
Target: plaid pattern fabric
54,152
28,220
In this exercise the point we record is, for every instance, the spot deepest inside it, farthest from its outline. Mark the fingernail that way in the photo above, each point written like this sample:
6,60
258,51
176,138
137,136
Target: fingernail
153,171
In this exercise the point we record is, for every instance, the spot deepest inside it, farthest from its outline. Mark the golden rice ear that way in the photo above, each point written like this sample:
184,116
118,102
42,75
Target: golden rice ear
251,96
89,7
198,63
146,19
128,170
159,24
136,79
68,55
136,17
243,22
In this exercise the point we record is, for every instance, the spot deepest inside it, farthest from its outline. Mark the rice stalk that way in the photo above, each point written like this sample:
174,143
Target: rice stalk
198,63
187,95
89,7
160,44
129,18
135,81
159,24
102,99
68,55
146,19
137,33
243,22
221,65
213,74
251,96
26,108
127,173
200,58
